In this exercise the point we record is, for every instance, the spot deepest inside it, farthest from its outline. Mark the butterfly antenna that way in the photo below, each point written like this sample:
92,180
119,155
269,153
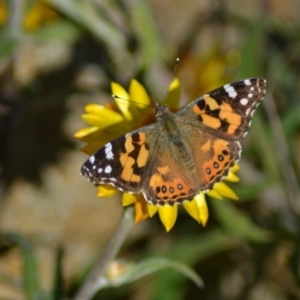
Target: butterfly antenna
175,66
173,77
117,97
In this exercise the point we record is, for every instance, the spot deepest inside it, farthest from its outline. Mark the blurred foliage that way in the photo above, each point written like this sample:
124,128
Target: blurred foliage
51,51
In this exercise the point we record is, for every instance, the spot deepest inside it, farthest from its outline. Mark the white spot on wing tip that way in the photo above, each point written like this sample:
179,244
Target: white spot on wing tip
108,169
232,94
108,152
247,82
244,101
230,90
109,155
92,159
108,147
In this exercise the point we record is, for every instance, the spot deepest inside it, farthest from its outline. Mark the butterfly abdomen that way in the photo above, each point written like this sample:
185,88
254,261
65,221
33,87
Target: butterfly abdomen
183,154
173,132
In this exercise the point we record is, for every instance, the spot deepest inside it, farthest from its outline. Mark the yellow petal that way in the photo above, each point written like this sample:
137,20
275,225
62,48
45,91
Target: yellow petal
225,191
84,132
106,190
232,177
173,95
33,18
192,208
128,199
121,100
235,168
168,215
106,119
201,201
3,12
100,137
152,210
214,194
140,208
103,111
138,94
197,208
39,14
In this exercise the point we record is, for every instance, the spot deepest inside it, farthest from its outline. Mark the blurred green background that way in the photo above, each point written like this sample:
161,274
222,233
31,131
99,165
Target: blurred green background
59,55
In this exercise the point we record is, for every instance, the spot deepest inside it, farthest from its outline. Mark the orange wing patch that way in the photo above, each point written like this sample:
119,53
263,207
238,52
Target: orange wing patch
211,102
217,115
222,158
134,158
210,121
227,114
168,192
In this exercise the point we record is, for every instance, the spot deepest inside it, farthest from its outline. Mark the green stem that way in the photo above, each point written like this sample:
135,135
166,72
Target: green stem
16,7
93,281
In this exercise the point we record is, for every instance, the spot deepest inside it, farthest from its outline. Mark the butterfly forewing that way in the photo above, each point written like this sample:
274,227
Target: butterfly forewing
227,111
122,162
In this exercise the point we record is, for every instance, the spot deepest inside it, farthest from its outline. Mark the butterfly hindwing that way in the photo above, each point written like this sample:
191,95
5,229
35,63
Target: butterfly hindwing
215,156
168,180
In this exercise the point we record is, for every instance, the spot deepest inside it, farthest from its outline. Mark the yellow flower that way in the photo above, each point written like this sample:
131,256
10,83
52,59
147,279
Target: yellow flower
39,13
204,72
36,14
131,111
3,12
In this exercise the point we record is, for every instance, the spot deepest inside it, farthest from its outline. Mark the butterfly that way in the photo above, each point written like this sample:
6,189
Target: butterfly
183,153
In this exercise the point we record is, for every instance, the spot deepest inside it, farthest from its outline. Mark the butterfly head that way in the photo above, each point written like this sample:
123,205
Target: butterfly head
161,111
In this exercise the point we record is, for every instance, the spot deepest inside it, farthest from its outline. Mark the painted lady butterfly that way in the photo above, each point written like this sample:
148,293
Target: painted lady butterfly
184,153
